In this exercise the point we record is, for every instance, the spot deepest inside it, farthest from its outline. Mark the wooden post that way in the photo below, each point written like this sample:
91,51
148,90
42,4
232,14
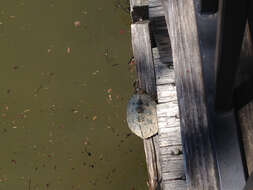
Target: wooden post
200,162
145,70
210,140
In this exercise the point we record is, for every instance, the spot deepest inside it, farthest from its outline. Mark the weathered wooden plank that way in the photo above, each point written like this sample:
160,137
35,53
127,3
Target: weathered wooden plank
164,73
205,36
141,44
156,12
176,184
155,9
172,165
169,136
162,109
171,150
153,165
160,55
201,169
154,3
169,123
173,175
166,92
173,156
208,6
158,26
167,113
168,116
164,58
245,114
168,119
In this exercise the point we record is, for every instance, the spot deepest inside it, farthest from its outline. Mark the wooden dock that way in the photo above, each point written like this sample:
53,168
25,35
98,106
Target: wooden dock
168,145
200,148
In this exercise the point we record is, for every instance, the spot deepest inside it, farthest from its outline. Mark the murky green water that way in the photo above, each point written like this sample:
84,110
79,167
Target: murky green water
64,85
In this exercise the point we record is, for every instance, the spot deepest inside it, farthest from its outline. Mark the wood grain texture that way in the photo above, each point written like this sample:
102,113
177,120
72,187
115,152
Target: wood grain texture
247,46
247,51
141,44
201,169
170,144
176,184
152,159
245,115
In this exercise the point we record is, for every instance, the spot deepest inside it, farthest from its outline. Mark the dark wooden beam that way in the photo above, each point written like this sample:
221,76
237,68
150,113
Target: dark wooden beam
208,6
200,162
212,143
223,125
244,94
245,113
250,18
231,26
140,13
139,10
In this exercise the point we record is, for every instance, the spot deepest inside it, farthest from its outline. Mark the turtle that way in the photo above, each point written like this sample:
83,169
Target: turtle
141,114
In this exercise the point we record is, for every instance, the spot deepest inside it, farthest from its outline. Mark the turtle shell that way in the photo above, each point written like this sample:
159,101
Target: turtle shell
141,115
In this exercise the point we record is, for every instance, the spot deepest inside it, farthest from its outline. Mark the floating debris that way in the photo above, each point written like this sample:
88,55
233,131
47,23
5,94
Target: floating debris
131,61
14,162
96,72
109,90
75,111
15,67
68,50
122,31
110,97
115,65
12,17
27,110
77,23
84,12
